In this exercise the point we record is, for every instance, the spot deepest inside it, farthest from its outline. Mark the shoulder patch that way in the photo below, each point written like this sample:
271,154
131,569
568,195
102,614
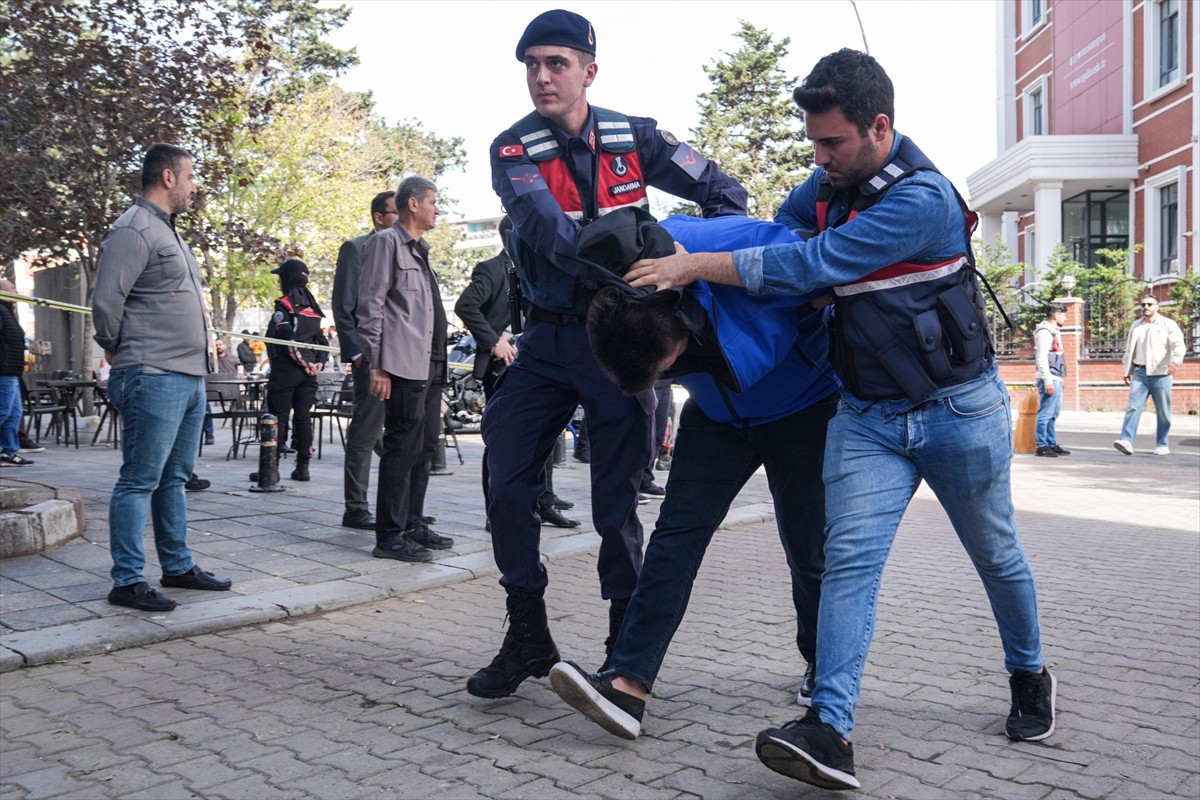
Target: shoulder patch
668,137
510,151
525,178
691,162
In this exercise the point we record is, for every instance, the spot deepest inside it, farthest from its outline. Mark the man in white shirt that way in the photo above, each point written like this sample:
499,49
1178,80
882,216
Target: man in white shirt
1153,354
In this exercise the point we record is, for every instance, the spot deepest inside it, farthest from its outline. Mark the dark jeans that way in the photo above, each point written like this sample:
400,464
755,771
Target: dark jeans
366,426
403,447
294,398
712,462
535,397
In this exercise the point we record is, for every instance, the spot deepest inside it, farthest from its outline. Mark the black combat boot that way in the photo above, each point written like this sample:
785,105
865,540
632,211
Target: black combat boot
527,652
616,616
300,473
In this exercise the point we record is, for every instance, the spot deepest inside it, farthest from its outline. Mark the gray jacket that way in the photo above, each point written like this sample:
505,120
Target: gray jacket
395,303
148,307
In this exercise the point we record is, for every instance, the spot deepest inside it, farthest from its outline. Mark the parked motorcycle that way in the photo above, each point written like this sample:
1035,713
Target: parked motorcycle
463,392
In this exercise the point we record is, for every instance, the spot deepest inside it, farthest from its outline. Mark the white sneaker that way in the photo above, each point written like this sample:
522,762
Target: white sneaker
1124,446
1162,450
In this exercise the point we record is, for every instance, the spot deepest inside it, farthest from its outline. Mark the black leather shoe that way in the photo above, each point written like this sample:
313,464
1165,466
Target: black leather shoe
400,548
560,504
552,516
427,537
808,684
427,520
197,484
300,473
1062,451
141,596
364,521
284,450
1046,452
196,578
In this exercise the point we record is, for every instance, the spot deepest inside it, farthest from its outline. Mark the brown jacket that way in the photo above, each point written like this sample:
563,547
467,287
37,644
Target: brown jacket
395,303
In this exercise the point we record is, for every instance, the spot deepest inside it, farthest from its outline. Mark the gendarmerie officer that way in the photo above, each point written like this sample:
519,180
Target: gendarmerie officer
556,169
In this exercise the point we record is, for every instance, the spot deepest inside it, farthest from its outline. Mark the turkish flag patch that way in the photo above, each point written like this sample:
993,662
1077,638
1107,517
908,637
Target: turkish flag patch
510,151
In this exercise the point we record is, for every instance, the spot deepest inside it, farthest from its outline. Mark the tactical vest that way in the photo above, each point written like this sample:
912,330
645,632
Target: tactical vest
913,327
1056,357
619,182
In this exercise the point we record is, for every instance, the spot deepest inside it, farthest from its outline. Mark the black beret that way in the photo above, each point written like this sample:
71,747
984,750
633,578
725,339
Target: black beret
293,266
561,28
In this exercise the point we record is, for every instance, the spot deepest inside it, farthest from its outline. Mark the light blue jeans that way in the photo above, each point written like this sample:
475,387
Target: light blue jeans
877,452
10,413
1142,386
161,416
1049,407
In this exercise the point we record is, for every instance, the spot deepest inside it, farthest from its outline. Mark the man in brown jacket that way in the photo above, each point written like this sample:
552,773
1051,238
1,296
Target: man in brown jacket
402,327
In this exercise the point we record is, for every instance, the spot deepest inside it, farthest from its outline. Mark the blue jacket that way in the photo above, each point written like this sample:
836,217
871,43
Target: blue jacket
768,355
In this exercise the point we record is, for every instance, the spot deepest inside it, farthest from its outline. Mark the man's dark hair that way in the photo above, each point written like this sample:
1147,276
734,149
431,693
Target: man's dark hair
852,81
161,156
630,338
379,203
1054,308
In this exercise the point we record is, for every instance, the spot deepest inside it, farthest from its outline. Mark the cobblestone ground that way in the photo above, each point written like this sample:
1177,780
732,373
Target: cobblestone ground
370,701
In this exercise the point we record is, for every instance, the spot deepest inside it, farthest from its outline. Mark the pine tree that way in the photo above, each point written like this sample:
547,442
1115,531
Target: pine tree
749,123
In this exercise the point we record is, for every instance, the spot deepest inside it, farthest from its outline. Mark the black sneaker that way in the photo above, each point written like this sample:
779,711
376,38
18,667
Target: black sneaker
808,684
809,750
1046,452
1031,718
427,537
653,489
197,484
594,695
15,460
141,596
400,548
1062,451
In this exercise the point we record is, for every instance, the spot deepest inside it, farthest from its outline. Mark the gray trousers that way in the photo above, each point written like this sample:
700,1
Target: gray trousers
366,428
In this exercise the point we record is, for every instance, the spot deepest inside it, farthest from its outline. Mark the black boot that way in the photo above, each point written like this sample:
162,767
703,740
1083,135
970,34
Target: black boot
300,473
527,652
616,616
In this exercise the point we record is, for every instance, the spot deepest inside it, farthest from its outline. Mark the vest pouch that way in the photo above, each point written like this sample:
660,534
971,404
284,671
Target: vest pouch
897,360
928,329
966,327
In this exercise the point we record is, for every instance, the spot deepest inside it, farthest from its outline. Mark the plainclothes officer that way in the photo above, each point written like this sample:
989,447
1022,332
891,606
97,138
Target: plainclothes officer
556,169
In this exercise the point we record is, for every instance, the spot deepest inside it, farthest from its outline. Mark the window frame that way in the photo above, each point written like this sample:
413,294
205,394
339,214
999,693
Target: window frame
1152,31
1153,189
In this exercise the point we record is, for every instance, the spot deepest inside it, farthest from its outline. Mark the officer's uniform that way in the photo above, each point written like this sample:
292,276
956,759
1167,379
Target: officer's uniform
551,184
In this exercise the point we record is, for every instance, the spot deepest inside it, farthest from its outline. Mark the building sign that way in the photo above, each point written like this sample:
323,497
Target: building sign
1087,96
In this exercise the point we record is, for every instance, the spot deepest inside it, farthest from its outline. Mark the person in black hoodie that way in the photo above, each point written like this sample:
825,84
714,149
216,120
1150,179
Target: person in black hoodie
294,368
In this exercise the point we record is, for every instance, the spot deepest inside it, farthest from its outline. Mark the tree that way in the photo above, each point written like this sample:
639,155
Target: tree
749,123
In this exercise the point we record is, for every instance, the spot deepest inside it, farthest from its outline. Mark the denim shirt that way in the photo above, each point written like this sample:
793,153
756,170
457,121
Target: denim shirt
918,219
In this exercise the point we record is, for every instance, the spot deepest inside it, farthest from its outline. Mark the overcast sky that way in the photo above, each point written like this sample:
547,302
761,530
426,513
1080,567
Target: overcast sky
451,64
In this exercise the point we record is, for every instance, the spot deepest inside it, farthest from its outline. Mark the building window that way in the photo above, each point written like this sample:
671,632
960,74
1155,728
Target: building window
1168,41
1095,221
1035,14
1035,109
1168,231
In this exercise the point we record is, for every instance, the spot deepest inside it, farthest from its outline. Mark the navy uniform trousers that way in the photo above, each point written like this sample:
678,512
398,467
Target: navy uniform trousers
535,397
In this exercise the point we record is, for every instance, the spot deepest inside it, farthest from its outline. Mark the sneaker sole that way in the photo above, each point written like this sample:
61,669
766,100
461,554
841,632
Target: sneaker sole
389,554
579,694
1053,715
1121,448
785,758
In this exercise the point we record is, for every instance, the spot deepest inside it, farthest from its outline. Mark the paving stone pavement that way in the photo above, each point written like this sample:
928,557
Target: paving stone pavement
367,700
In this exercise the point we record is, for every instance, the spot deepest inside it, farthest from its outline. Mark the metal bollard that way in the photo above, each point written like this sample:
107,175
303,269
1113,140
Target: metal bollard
268,455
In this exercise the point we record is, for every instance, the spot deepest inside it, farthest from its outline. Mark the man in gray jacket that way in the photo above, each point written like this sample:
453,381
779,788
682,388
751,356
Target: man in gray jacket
402,327
148,282
366,421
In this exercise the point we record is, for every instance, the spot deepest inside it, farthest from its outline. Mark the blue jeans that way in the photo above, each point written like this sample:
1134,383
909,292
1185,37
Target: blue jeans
959,441
161,416
1049,407
10,413
1142,386
712,462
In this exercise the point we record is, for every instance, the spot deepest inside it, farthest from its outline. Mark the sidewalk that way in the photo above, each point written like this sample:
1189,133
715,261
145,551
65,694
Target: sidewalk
288,555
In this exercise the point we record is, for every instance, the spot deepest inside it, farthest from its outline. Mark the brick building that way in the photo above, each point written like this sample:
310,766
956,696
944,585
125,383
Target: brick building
1098,130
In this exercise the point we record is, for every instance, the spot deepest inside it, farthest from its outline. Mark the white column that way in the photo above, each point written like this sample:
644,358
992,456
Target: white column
1047,209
